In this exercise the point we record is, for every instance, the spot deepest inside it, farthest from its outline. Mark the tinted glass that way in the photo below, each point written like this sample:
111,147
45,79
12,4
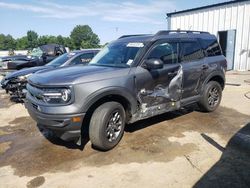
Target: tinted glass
167,52
211,47
82,59
190,51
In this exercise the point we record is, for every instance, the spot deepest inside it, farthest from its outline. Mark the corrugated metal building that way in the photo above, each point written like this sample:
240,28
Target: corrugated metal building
229,21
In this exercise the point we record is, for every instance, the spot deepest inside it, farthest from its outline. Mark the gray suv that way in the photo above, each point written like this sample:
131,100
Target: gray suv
133,78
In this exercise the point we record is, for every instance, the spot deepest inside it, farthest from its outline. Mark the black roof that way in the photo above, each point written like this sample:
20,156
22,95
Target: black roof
49,48
85,50
136,38
170,34
204,7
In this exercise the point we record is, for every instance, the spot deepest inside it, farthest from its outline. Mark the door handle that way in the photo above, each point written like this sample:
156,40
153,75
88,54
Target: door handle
205,67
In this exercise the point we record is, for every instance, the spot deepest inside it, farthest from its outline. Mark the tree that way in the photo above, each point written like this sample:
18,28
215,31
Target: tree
60,40
46,39
42,40
32,37
22,43
52,39
2,39
7,42
82,36
68,42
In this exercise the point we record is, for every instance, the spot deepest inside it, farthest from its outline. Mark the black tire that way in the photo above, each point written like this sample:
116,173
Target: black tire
211,97
106,129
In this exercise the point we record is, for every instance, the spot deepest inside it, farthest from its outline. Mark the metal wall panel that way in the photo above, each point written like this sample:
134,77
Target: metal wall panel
226,17
239,30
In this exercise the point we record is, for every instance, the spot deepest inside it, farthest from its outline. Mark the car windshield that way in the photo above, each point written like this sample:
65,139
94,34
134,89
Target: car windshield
121,54
61,59
36,52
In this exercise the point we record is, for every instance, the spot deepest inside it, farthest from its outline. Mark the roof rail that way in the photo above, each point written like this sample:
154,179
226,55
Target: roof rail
166,32
125,36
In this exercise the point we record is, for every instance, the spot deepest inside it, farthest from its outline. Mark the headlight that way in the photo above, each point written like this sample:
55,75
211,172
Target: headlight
57,96
24,77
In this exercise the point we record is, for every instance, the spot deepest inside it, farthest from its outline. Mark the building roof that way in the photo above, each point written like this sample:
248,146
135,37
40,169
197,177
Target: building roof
205,7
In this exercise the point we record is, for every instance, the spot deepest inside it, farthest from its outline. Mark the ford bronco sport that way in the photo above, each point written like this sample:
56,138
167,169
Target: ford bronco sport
132,78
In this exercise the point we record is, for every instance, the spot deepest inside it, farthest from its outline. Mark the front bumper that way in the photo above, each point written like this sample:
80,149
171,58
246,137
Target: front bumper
17,89
62,125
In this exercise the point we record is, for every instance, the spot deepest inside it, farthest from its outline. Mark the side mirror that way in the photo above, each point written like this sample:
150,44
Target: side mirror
153,64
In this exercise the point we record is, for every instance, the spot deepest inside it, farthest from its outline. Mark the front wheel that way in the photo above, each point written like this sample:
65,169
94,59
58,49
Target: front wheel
107,125
211,97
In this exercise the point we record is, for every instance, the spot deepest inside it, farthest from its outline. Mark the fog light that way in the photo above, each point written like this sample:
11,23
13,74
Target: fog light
76,119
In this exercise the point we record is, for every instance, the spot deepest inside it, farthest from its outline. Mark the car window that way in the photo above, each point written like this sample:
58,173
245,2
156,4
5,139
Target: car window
167,52
36,52
190,51
118,54
82,59
211,47
58,61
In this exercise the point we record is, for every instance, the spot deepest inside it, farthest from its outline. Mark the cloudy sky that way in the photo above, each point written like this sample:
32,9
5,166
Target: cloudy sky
109,19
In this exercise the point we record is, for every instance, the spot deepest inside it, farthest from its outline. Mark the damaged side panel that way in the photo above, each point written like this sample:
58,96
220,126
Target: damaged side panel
162,97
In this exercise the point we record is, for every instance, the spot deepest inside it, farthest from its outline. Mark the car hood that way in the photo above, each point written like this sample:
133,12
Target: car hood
14,57
24,60
19,58
76,74
23,72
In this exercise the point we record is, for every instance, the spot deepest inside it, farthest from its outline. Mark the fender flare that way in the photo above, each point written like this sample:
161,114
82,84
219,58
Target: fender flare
104,92
211,75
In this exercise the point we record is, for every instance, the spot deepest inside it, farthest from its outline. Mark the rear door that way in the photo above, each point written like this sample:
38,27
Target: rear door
192,61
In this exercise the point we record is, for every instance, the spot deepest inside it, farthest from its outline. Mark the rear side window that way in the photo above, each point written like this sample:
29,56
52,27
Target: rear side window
82,59
211,47
190,51
167,52
86,58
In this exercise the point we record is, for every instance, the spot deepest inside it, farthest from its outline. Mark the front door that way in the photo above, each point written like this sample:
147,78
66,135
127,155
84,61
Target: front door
160,86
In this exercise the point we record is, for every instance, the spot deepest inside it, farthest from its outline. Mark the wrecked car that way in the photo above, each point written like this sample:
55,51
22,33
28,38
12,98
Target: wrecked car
133,78
15,82
39,56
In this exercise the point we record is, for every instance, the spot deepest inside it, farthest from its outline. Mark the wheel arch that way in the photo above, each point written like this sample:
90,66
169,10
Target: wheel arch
120,95
215,76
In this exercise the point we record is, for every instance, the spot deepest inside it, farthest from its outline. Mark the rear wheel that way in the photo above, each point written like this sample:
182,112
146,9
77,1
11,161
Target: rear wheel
211,97
107,125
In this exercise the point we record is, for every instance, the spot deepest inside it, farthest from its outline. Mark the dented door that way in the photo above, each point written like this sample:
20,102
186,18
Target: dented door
160,86
192,60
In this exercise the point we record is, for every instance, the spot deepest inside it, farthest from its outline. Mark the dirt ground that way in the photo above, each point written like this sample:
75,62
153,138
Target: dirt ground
185,148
